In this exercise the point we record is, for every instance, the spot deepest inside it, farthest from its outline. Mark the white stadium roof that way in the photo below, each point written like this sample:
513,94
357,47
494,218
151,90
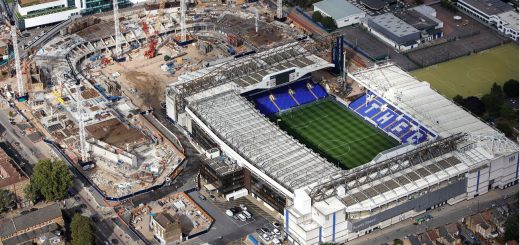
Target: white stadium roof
268,148
419,100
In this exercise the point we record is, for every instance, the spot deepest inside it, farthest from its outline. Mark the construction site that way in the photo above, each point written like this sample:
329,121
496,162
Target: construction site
109,72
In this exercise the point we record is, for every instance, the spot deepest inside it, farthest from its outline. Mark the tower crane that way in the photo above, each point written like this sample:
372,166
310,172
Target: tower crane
22,96
117,51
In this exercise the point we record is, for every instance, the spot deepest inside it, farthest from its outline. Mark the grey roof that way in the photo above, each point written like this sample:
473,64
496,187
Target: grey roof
337,9
490,7
394,25
416,19
165,219
11,225
26,238
511,18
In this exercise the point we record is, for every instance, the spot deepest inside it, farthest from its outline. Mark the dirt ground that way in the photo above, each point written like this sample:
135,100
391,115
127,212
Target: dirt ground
115,133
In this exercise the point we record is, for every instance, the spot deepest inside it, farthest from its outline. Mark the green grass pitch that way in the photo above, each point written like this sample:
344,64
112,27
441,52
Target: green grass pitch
473,75
335,133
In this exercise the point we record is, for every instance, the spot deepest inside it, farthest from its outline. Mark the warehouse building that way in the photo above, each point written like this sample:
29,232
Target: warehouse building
343,12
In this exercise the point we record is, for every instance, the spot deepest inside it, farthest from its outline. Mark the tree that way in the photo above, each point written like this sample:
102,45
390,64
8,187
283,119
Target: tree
167,58
507,112
505,128
458,99
51,179
81,230
493,103
329,23
511,226
474,105
31,192
6,200
511,88
316,16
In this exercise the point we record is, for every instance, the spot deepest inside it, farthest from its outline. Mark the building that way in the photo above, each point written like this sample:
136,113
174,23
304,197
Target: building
30,13
31,227
495,13
12,178
343,12
166,228
4,50
42,12
224,177
406,29
456,156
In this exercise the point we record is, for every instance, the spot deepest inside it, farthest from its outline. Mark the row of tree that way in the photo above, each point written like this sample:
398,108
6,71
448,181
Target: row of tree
327,21
495,106
50,181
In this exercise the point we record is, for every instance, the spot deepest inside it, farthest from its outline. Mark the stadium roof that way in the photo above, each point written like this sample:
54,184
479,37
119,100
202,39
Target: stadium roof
511,18
259,142
419,100
249,70
426,105
338,9
394,25
489,7
374,4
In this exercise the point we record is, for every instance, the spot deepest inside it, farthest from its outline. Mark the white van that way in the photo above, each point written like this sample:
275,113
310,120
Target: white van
247,214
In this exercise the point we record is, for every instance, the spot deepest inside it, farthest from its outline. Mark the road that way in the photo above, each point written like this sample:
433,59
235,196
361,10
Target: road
448,214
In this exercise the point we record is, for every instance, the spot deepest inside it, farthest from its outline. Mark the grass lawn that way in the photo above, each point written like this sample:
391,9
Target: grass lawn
335,133
473,75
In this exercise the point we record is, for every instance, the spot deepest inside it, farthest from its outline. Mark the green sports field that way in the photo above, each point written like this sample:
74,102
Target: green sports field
472,75
335,133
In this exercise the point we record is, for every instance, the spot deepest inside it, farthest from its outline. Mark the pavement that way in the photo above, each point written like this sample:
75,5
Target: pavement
446,214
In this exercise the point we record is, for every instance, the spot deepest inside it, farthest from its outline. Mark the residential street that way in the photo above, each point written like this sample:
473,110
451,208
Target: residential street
448,214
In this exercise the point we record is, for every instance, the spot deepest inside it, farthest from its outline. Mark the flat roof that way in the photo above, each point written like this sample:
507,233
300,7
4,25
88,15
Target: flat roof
394,25
374,4
338,9
489,7
416,19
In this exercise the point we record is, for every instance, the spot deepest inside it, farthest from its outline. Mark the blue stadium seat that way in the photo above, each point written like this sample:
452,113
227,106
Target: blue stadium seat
265,106
384,119
302,93
358,102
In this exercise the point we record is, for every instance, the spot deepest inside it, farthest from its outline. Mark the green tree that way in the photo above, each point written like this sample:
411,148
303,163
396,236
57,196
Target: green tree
316,16
507,112
511,226
511,88
6,200
167,58
458,99
31,192
506,129
474,105
493,103
51,179
81,230
329,23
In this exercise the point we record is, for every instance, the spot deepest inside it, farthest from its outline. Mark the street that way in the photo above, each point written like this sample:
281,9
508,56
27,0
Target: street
448,214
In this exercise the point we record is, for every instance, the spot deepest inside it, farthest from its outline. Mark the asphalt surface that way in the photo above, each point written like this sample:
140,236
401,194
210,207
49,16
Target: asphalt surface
447,214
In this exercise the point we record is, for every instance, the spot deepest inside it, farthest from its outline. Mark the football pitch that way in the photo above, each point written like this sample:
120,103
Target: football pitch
473,75
335,133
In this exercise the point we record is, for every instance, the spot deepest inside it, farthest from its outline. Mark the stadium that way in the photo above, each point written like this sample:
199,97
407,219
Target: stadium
335,170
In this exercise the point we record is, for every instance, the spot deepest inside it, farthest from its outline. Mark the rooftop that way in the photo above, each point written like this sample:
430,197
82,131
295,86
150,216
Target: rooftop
394,25
338,9
490,7
416,19
9,174
268,148
19,223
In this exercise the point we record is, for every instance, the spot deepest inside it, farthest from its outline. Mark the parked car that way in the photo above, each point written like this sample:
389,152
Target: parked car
266,237
235,210
265,230
202,197
276,241
241,217
276,231
243,206
229,213
247,214
276,224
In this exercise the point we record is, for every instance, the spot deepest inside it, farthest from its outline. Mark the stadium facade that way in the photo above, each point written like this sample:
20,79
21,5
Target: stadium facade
446,154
